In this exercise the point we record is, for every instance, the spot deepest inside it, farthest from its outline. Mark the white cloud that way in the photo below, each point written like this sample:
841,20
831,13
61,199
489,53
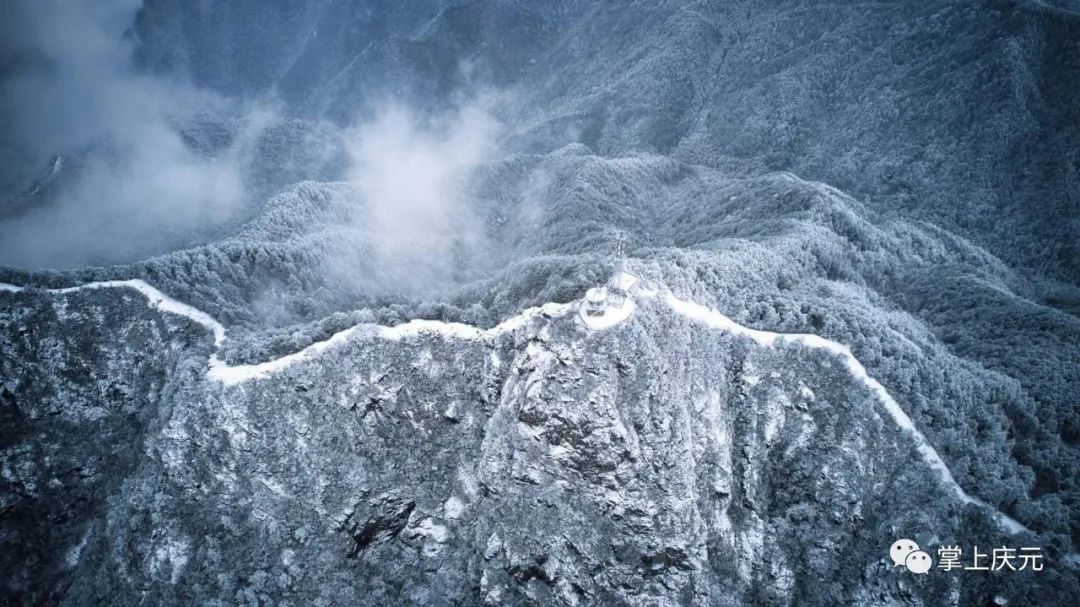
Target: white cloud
410,173
135,187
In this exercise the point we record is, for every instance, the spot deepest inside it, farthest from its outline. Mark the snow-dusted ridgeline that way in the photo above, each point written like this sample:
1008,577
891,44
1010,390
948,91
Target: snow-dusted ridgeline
156,299
227,375
717,320
221,372
231,375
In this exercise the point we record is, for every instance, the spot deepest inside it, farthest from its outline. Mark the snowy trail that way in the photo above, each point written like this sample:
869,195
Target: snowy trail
156,299
231,375
716,320
221,372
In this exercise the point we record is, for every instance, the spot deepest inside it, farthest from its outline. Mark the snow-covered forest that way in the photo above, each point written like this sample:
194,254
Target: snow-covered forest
292,301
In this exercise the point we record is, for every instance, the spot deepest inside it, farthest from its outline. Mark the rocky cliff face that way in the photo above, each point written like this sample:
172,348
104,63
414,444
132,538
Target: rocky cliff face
655,463
86,383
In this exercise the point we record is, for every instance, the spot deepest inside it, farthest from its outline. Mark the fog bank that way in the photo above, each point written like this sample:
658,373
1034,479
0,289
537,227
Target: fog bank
129,183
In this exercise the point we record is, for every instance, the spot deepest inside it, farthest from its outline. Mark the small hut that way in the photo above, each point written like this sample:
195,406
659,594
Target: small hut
595,301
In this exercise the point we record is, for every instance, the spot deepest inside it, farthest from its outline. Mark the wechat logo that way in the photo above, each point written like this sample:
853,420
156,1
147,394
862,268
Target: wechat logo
906,553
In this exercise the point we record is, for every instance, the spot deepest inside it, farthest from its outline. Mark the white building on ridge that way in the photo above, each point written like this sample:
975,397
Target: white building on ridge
606,306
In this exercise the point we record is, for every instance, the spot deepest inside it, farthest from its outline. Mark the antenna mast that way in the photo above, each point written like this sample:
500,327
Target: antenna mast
621,249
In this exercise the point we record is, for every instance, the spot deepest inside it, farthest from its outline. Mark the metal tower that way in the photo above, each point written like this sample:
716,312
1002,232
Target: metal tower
622,248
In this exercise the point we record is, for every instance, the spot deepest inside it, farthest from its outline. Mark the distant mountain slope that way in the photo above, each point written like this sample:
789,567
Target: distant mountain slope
963,113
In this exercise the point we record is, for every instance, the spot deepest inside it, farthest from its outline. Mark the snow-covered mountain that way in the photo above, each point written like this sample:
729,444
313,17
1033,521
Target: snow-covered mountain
296,315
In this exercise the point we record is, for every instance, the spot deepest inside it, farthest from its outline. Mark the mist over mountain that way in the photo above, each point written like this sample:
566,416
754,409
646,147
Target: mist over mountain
293,301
